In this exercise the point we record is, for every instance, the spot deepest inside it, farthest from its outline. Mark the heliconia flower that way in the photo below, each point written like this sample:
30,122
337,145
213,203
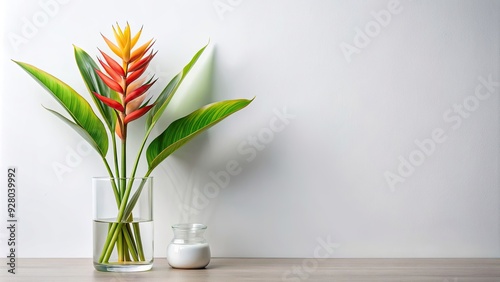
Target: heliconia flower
126,78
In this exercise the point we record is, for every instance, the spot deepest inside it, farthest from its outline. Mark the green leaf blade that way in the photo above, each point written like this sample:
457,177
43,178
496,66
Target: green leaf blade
181,131
77,107
87,67
168,92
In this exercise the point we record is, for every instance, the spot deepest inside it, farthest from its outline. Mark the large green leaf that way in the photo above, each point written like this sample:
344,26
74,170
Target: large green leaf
186,128
77,107
87,67
168,93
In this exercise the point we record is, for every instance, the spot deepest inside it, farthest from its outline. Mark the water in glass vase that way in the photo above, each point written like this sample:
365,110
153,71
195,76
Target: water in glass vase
133,251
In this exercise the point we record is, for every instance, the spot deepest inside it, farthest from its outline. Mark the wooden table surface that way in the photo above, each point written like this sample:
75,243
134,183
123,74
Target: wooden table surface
244,269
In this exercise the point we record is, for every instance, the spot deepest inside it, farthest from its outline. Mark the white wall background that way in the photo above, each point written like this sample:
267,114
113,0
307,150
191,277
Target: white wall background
323,176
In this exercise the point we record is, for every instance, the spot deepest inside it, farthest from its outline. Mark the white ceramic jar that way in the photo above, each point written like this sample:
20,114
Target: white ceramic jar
188,249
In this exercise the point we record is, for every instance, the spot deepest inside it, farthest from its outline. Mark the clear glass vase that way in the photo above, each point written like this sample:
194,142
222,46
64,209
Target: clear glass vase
123,224
188,249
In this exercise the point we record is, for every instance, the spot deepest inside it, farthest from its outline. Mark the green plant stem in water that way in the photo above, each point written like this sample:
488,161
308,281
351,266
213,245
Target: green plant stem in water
119,245
118,225
132,244
138,239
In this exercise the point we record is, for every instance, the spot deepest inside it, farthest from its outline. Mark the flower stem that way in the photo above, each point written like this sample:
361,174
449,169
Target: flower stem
121,244
115,154
123,180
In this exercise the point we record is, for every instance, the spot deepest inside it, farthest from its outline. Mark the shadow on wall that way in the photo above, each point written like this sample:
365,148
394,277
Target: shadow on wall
191,182
178,171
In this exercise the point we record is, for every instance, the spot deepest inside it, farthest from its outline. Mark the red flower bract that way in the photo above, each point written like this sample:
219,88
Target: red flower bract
123,78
